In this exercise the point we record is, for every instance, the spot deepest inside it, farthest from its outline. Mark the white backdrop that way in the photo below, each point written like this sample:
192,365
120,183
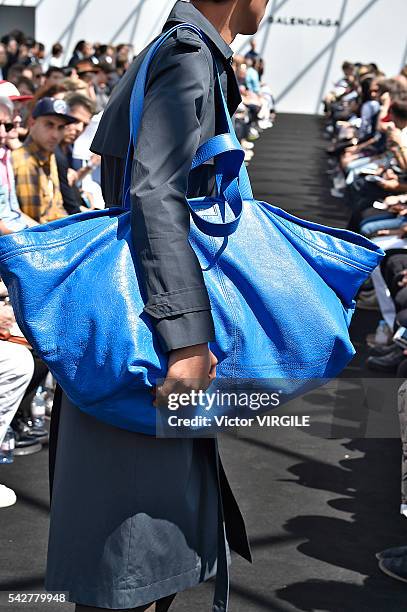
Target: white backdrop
303,47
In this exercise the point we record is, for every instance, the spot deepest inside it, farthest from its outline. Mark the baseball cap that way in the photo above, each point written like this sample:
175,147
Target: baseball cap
9,90
53,106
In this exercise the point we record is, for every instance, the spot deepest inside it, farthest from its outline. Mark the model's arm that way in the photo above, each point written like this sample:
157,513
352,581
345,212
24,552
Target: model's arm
176,96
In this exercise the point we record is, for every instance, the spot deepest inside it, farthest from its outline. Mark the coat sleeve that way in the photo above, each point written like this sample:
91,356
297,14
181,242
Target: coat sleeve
176,96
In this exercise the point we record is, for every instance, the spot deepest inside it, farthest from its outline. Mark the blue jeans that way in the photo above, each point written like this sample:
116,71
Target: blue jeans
371,227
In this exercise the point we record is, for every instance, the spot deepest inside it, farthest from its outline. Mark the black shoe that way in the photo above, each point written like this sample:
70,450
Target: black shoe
396,567
381,349
39,432
391,553
26,434
387,363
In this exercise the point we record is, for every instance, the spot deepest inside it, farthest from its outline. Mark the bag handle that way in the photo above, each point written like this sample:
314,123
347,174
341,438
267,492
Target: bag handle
229,166
205,149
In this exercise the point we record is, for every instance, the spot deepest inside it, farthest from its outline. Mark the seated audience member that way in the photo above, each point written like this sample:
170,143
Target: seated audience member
56,58
83,50
12,219
348,69
3,61
376,189
102,85
16,71
54,76
41,53
25,55
252,77
27,432
370,108
259,65
35,167
38,77
252,53
397,132
82,109
57,92
76,85
374,152
11,44
106,54
26,87
342,87
21,112
87,72
390,357
16,370
123,52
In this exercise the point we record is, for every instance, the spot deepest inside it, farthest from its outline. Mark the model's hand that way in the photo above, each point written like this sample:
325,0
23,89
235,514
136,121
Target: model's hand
192,368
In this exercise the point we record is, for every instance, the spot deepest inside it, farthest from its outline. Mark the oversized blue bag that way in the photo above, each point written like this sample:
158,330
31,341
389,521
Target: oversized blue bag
281,289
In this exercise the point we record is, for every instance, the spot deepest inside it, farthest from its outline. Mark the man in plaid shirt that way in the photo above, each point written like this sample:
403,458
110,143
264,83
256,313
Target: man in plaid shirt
35,167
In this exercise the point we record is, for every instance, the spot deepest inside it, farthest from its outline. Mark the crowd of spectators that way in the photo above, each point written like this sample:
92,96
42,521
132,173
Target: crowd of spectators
367,123
50,106
256,112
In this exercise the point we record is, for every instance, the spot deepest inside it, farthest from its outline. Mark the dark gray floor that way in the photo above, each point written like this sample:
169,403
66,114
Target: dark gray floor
316,509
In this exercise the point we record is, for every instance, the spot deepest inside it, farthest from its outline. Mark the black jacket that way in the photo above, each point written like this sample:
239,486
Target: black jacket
180,113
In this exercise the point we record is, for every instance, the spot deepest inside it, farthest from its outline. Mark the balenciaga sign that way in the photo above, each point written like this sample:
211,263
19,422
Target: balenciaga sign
307,21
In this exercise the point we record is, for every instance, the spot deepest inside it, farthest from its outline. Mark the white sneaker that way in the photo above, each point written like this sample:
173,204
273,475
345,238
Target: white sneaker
253,134
7,497
265,124
247,145
248,156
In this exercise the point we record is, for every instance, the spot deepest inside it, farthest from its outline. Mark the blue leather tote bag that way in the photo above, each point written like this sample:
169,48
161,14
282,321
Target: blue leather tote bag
281,289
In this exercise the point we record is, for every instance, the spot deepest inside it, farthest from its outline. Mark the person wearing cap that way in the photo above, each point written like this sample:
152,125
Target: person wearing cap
83,109
9,90
35,167
21,111
87,72
86,69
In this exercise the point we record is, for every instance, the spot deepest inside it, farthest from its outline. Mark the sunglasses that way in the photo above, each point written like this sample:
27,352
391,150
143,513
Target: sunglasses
7,126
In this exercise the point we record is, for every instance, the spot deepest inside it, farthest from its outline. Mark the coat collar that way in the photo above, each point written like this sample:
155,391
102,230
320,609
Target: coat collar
185,12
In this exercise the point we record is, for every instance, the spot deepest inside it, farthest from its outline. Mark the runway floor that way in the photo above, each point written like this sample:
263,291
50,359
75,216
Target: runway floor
317,509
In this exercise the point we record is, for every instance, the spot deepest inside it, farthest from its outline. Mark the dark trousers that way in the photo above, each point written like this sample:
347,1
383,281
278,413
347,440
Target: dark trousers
392,268
360,196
